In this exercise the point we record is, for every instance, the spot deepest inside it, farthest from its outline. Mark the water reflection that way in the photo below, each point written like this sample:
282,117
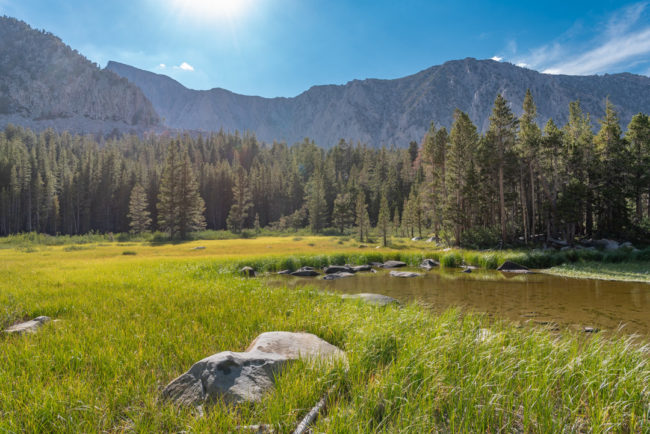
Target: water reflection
537,298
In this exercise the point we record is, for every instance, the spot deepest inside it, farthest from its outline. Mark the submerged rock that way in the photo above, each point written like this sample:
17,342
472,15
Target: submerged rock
246,376
376,299
247,271
30,326
339,275
466,270
404,274
513,267
393,264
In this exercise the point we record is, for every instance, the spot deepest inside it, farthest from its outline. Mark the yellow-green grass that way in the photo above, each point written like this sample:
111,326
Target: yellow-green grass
638,271
131,323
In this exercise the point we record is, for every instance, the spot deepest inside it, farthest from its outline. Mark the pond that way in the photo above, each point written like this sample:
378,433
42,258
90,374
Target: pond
539,299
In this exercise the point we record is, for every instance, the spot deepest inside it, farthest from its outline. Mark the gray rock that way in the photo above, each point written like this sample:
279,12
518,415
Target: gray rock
416,239
284,272
305,272
338,269
365,267
377,264
247,271
431,240
404,274
295,346
513,267
31,326
467,270
246,376
199,248
627,244
393,264
339,275
606,244
429,264
376,299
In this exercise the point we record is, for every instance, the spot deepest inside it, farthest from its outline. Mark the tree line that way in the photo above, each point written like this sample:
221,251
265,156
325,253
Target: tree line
517,183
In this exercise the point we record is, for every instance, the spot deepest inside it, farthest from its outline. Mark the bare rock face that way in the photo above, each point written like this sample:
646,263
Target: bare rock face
247,376
46,84
31,326
376,299
385,112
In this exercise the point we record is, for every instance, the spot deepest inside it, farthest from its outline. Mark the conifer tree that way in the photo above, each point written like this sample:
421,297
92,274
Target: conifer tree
463,141
638,140
383,221
139,217
612,170
242,201
342,212
316,202
362,219
502,134
396,222
180,207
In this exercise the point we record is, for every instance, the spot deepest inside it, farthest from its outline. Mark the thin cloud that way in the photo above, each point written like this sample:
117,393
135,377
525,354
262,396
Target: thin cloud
623,43
496,58
617,51
162,66
186,67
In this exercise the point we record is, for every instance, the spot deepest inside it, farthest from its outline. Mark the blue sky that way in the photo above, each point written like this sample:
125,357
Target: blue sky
283,47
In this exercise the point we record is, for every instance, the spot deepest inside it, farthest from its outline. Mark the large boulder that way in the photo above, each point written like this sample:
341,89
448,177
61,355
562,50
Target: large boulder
246,376
338,269
339,275
305,272
404,274
393,264
513,267
376,299
30,326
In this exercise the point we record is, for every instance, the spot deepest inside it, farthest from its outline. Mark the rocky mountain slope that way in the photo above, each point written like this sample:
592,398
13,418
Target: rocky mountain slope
44,83
383,112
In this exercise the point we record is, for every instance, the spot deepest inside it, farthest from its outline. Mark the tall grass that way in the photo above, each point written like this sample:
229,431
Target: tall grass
130,324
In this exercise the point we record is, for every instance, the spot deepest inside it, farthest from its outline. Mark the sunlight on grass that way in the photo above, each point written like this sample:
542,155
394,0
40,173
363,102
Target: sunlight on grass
131,323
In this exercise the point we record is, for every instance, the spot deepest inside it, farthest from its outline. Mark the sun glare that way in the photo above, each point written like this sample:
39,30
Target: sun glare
212,9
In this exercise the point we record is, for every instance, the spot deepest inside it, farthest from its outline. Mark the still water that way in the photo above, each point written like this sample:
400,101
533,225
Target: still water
534,298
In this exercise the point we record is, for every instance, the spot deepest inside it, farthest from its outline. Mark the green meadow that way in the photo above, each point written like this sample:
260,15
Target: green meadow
134,315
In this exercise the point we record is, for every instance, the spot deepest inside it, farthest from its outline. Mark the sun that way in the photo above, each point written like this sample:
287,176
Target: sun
212,9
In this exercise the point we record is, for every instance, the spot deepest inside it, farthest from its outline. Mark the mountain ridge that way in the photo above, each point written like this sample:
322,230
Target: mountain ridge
391,111
44,83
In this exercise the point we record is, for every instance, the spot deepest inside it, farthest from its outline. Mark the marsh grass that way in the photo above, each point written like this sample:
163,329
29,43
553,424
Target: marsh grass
130,324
